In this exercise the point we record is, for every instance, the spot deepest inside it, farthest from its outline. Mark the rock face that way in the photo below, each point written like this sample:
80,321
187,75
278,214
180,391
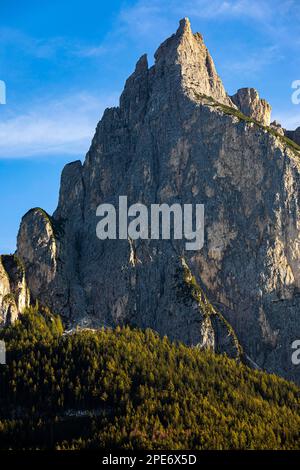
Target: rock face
177,137
277,127
14,293
250,104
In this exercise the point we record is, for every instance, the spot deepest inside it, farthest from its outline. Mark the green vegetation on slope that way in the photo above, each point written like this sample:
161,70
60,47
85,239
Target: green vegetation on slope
132,389
57,226
193,290
209,101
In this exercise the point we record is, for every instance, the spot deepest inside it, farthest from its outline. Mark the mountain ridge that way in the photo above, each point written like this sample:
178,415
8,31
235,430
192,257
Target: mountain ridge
178,137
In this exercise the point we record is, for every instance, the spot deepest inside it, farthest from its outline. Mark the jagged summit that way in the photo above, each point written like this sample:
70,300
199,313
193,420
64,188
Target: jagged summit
184,26
186,55
183,64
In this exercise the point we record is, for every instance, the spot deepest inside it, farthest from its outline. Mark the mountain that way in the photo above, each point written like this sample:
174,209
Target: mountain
177,137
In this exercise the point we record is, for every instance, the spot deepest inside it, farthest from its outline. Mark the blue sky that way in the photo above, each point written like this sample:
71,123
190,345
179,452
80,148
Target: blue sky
64,62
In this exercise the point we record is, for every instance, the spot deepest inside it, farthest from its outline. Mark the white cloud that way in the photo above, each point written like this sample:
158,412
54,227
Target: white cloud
144,18
61,127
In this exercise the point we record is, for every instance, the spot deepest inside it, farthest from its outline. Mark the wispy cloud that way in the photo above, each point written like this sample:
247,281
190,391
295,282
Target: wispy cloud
60,127
288,119
143,16
43,48
251,64
232,8
67,125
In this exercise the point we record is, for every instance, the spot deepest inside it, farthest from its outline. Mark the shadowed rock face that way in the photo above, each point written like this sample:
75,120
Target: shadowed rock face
277,127
177,137
250,104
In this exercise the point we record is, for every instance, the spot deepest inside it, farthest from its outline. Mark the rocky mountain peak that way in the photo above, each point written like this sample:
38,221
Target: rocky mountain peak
14,293
184,27
142,64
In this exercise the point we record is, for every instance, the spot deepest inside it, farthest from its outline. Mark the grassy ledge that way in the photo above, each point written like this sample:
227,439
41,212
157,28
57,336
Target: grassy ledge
206,307
131,389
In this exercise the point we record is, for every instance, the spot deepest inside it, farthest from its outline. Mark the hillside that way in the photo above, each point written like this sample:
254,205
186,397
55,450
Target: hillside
127,388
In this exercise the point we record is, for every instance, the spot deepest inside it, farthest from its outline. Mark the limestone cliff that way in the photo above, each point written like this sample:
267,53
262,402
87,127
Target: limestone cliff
14,293
178,137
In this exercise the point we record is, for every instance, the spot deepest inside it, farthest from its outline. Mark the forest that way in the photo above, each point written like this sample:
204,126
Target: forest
132,389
